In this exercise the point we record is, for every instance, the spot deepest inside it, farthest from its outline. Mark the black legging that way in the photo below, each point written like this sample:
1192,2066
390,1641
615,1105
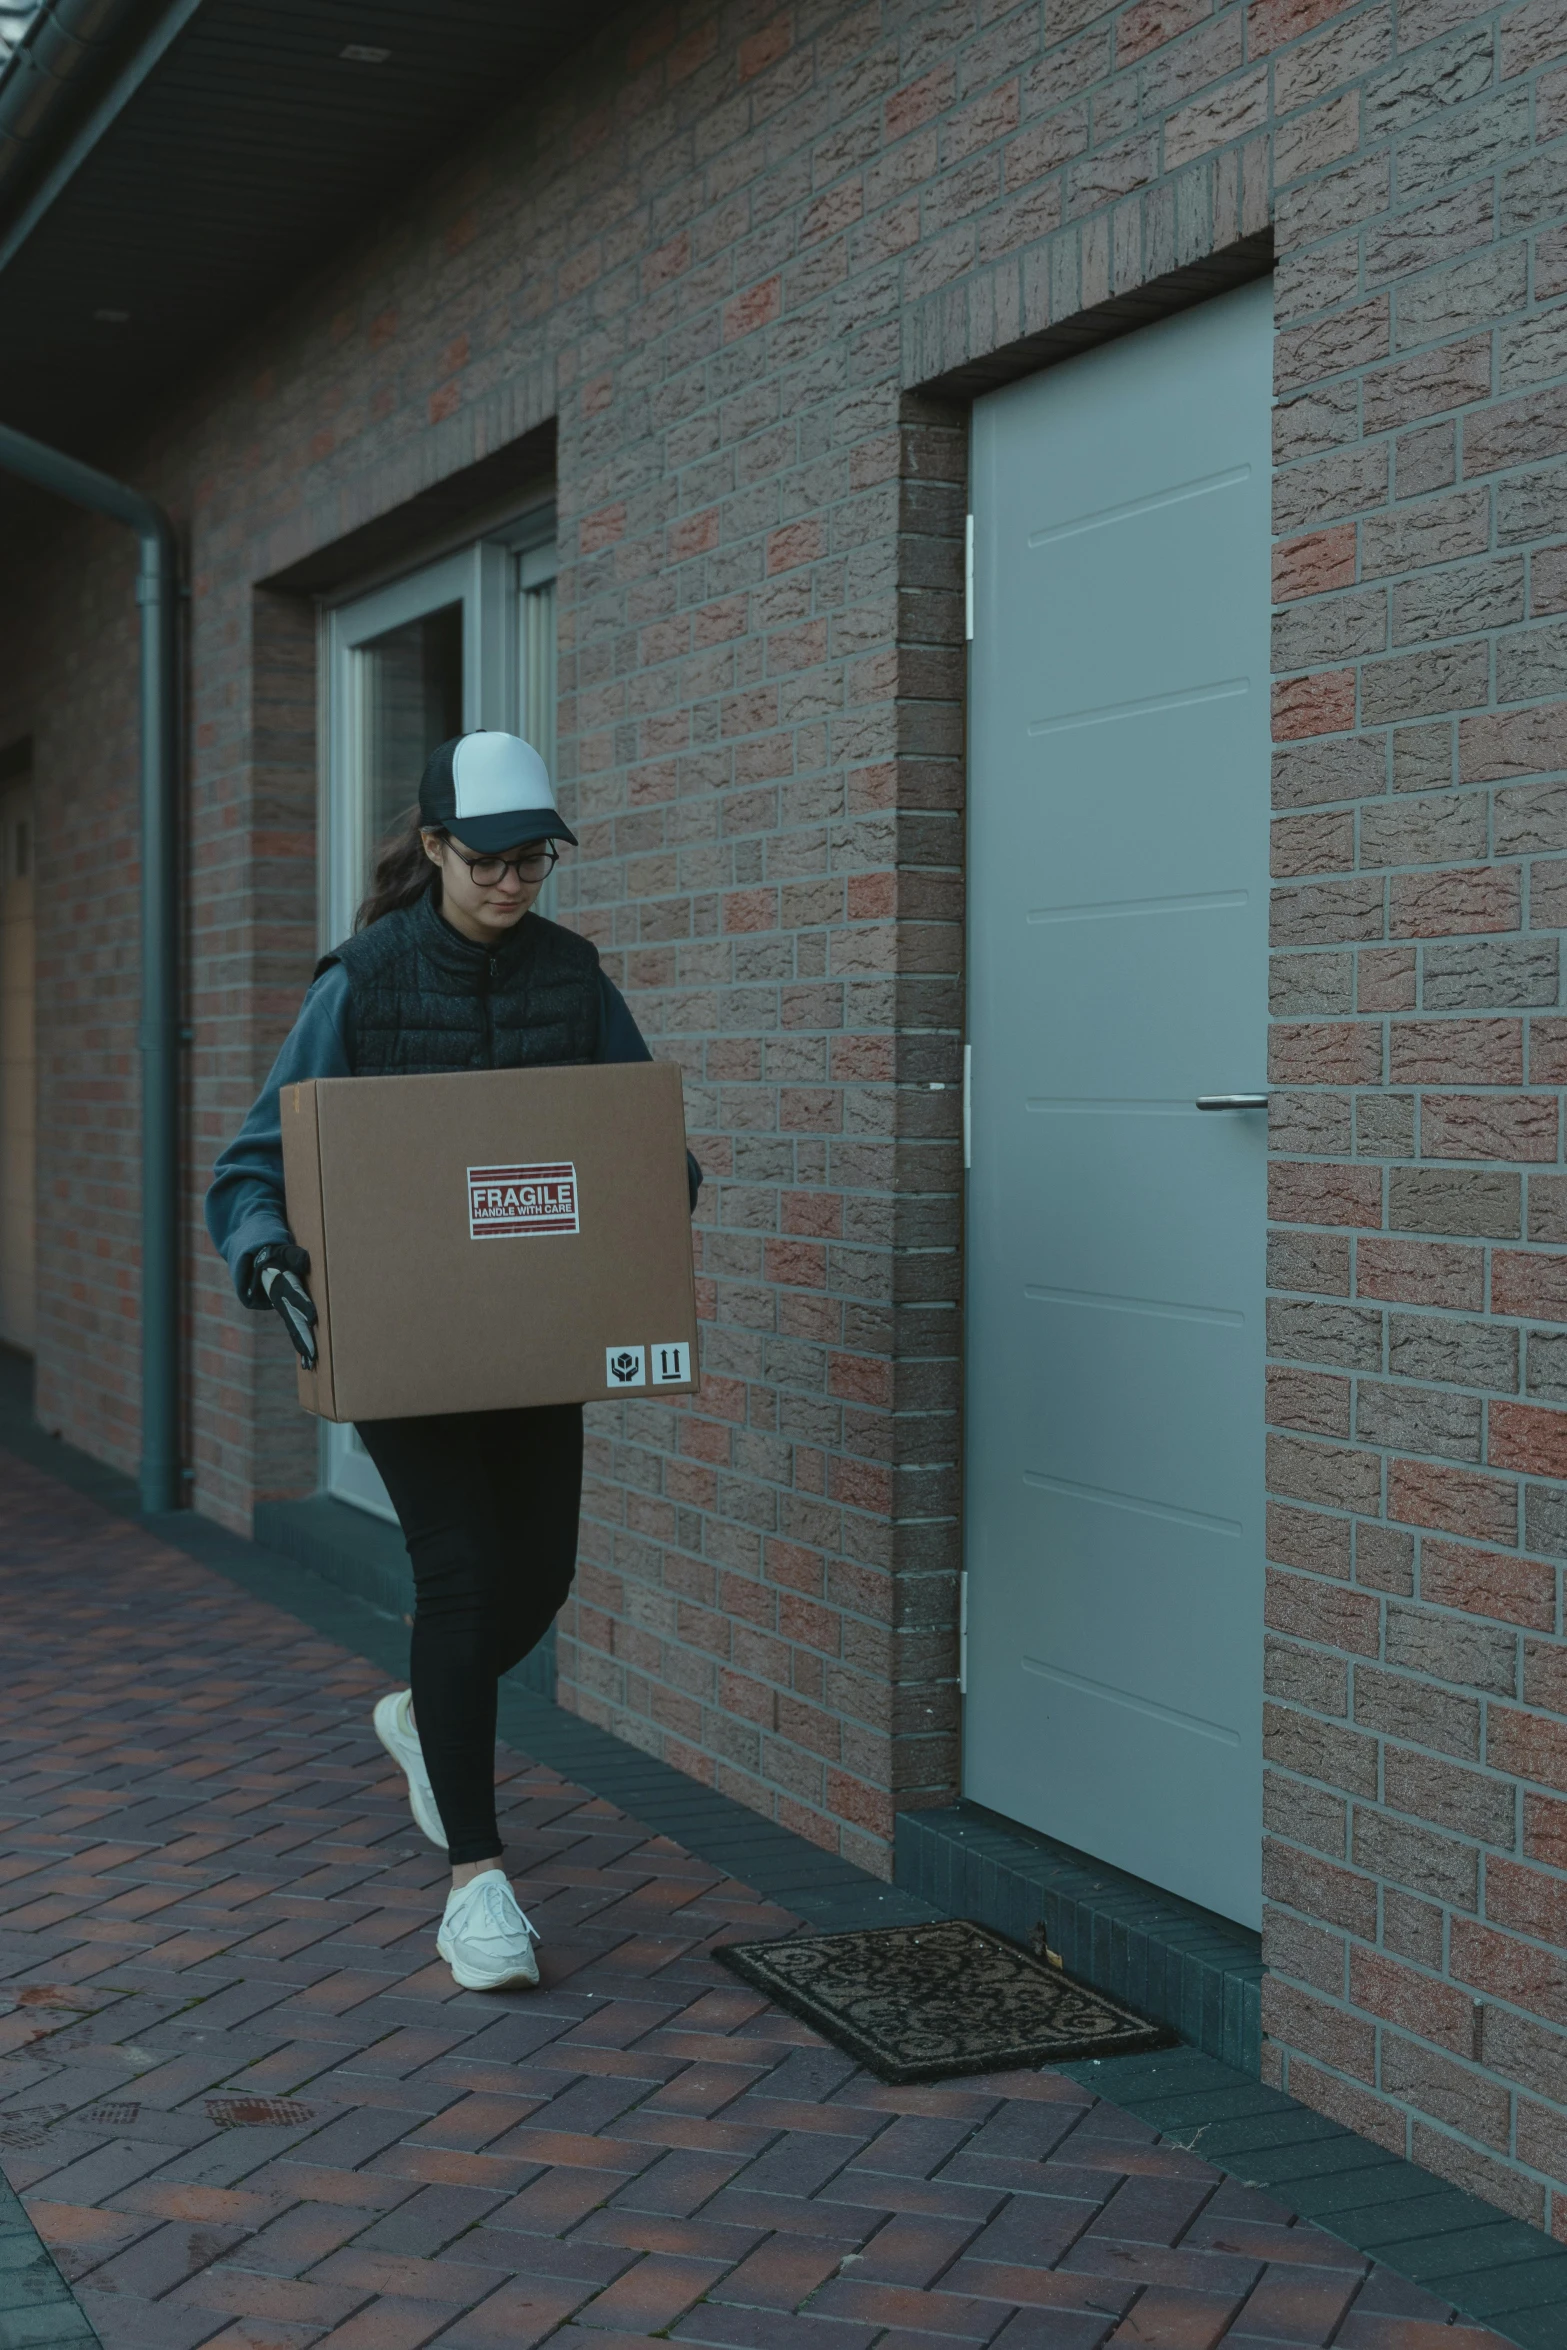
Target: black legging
488,1505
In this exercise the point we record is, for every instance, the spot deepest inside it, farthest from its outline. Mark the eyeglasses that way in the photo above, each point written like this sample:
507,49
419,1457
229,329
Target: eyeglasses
535,864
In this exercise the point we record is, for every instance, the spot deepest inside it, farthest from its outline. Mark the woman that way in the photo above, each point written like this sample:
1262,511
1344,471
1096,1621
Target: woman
449,969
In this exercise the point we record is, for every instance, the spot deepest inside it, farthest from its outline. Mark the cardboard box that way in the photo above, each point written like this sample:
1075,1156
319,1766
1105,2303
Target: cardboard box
504,1237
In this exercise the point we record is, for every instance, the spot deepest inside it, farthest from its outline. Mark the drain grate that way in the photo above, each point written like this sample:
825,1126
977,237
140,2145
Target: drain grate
258,2113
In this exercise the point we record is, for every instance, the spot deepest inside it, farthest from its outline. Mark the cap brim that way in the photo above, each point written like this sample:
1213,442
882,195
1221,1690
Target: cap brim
487,834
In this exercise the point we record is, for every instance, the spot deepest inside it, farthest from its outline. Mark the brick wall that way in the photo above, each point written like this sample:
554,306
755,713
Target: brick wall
769,1579
1416,1662
752,260
71,584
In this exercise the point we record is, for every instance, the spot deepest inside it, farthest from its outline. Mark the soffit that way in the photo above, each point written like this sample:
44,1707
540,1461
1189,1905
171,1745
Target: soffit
248,153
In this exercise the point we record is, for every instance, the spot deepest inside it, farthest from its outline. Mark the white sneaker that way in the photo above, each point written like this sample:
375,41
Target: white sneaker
396,1731
484,1937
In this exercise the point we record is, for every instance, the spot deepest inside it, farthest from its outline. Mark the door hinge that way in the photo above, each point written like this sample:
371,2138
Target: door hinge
968,1095
968,578
963,1635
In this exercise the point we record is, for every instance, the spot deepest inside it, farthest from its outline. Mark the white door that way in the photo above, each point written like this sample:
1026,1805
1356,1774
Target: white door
466,642
1118,858
18,1068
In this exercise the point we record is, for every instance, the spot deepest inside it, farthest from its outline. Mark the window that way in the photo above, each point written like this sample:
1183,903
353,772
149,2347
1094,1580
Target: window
466,642
410,687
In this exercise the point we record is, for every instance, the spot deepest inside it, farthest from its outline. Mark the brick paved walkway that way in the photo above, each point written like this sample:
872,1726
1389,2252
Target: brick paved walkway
247,2107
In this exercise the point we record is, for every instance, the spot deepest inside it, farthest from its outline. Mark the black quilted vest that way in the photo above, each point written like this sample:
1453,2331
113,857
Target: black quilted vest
426,1000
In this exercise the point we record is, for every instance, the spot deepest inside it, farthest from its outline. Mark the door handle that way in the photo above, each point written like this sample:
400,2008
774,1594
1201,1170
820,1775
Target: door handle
1232,1101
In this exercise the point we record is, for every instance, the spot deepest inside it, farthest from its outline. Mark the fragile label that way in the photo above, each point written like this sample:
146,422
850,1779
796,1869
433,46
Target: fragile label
506,1203
624,1366
671,1363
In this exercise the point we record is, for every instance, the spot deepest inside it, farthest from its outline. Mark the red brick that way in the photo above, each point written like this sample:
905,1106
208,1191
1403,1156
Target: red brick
1310,1193
651,2296
757,306
1527,1437
1319,842
1326,346
1308,1400
1334,1476
1452,1501
162,2199
1548,1052
1323,704
1514,432
1515,1971
1545,1831
694,534
1330,2033
1514,743
837,209
1272,23
1530,35
751,909
864,1379
1530,1746
1545,1675
1149,24
1385,979
1531,1283
1322,1612
1489,1126
785,2271
1310,566
797,542
1323,1891
667,262
919,102
1490,1583
1383,1986
1291,2299
1420,1272
1457,1052
1325,1052
1526,1900
688,56
388,2324
1361,2110
765,48
1474,898
603,528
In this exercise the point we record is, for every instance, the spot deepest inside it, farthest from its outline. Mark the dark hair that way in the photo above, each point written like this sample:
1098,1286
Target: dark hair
403,873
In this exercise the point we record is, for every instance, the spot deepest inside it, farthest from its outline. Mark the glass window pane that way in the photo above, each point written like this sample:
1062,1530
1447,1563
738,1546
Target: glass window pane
411,681
537,611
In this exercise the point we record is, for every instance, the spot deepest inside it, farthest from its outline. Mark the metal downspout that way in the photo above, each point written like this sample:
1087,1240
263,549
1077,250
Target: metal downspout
157,591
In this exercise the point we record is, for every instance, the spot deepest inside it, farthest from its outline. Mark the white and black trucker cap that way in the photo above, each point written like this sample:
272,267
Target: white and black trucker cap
490,791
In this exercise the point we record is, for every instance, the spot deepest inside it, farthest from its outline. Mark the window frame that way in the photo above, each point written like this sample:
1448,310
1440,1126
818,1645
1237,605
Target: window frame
489,578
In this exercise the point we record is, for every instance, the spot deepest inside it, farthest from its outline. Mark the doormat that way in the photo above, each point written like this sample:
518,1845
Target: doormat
927,2003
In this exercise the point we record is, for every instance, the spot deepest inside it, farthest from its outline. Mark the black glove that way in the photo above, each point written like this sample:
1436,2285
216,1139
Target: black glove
277,1277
